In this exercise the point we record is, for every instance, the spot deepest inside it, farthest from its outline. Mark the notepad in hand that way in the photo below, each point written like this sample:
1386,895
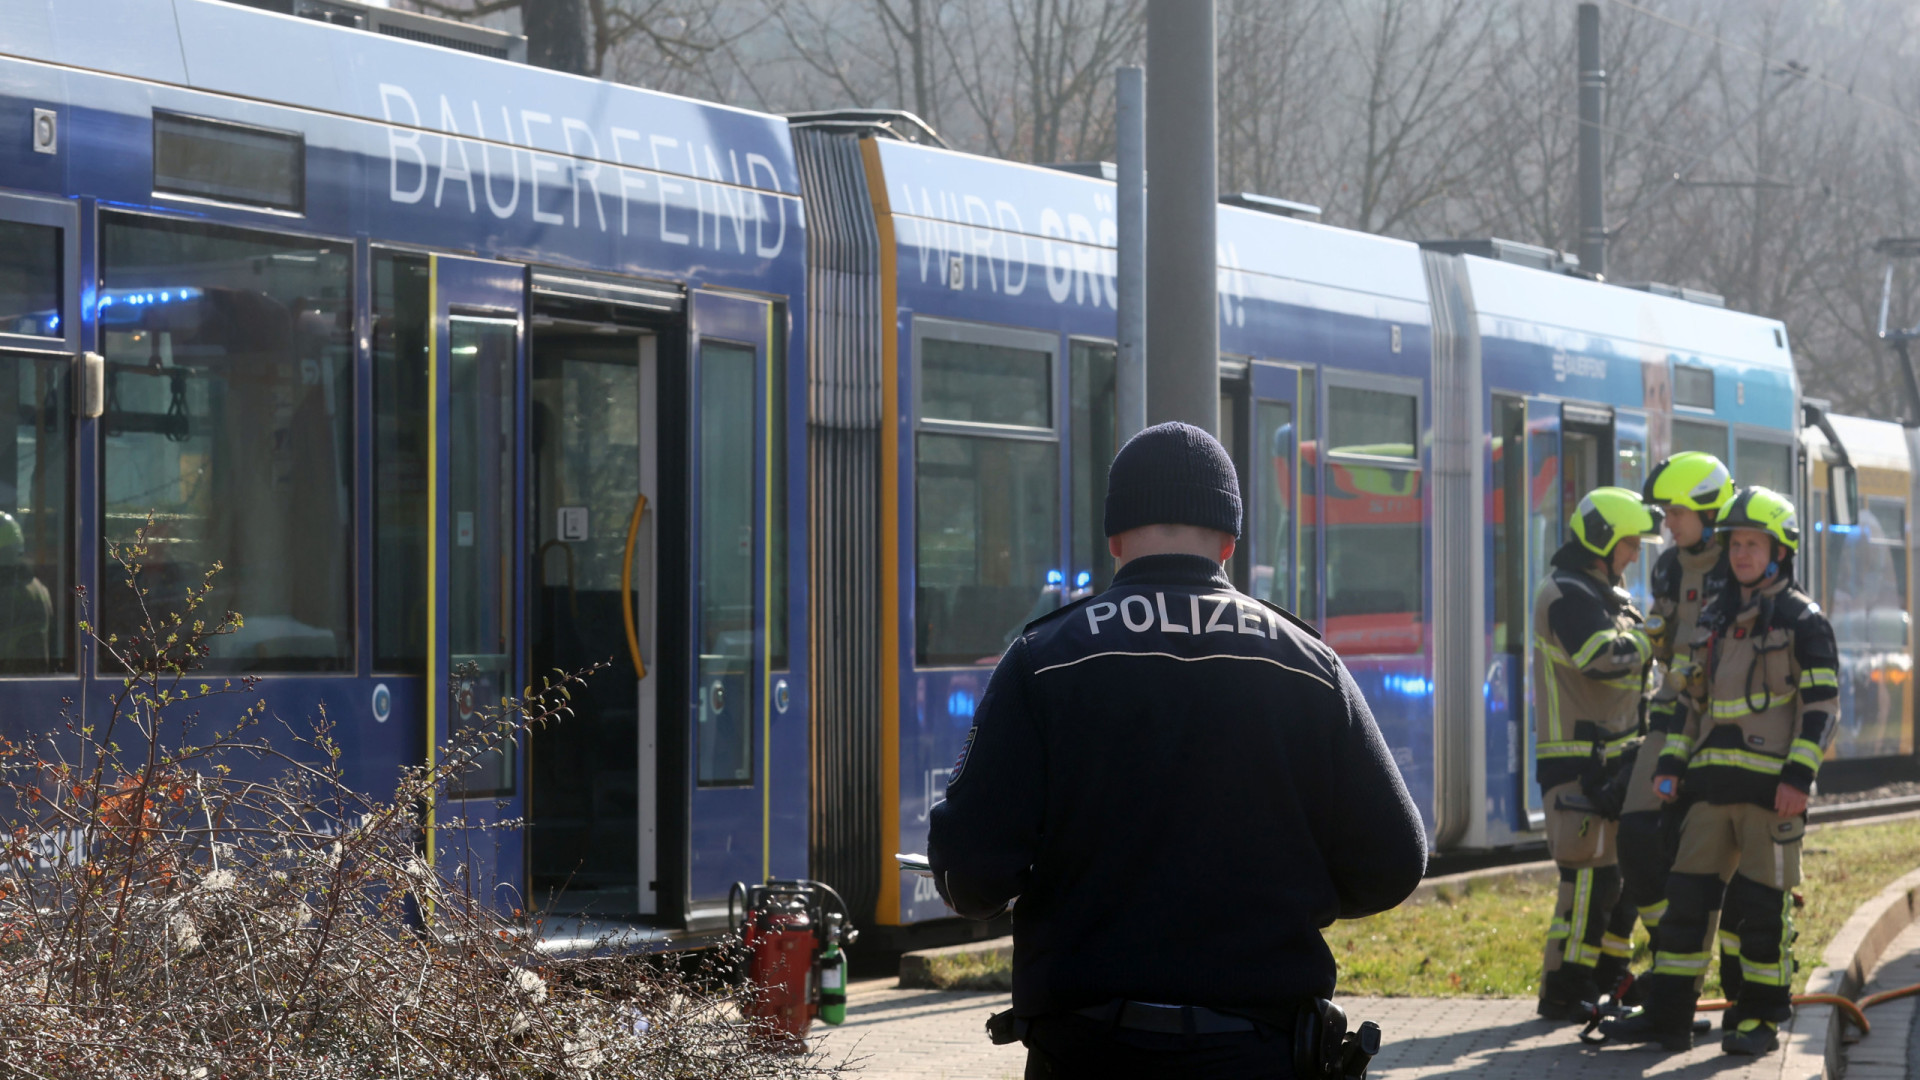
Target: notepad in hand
916,863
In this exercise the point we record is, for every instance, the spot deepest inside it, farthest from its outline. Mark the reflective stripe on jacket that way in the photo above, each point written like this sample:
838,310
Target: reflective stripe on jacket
1762,698
1590,659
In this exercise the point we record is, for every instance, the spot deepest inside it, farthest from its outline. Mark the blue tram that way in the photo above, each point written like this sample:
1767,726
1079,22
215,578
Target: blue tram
447,361
1413,425
466,371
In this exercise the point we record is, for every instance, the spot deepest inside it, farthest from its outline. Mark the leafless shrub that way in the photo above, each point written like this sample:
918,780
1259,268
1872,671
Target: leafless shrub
186,899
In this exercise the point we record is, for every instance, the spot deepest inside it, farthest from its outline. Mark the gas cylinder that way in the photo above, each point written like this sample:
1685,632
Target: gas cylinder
833,984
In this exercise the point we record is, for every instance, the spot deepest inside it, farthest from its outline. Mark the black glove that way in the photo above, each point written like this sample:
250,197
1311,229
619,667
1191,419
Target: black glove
1605,783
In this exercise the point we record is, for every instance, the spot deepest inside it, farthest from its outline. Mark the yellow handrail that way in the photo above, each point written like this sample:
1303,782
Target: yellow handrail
626,587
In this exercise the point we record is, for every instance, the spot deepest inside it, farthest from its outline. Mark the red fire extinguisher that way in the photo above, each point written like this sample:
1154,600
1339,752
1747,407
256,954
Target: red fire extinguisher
792,932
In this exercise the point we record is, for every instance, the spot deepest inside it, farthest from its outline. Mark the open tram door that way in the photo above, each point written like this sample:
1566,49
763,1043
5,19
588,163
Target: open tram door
1547,455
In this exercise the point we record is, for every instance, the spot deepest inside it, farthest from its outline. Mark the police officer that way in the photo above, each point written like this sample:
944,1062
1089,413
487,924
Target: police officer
1690,488
26,610
1590,666
1761,699
1182,786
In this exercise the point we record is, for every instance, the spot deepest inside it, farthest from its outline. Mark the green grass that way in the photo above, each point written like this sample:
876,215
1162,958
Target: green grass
1486,941
973,971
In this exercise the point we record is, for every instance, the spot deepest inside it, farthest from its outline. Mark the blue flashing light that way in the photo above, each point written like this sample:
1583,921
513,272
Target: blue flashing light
1083,579
1055,577
106,301
1409,685
53,324
960,703
1844,528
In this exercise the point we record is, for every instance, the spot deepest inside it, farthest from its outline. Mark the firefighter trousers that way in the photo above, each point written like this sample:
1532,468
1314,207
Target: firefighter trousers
1584,846
1741,861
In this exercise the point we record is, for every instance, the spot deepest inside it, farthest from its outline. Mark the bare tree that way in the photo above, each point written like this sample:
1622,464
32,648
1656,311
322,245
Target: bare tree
578,36
1036,76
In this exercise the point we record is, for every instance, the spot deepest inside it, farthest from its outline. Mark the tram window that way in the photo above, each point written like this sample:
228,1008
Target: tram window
1095,442
1693,386
777,610
209,159
229,420
481,604
985,384
1274,469
1867,575
400,321
36,564
1509,524
1698,435
726,524
1764,464
29,279
1373,422
986,532
1374,579
1375,523
1309,563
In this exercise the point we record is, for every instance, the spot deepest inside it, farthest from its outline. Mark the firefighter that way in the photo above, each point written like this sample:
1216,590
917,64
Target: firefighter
1761,700
1183,786
1590,665
26,610
1690,488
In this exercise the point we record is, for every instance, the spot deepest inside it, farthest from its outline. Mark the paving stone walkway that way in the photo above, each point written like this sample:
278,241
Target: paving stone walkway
1892,1051
913,1034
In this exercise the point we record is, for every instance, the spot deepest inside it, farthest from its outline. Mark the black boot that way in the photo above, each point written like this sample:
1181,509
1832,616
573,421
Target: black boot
1609,973
1568,994
1640,1026
1751,1038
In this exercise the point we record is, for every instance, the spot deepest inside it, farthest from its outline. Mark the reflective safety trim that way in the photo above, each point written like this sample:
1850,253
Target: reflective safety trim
1608,639
1553,652
1613,945
1563,749
1765,974
1806,752
1683,964
1578,951
1735,708
1738,759
1680,746
1819,676
1652,914
1730,943
1620,744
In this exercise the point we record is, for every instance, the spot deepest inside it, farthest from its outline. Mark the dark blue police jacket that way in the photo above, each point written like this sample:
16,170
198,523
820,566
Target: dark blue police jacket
1182,786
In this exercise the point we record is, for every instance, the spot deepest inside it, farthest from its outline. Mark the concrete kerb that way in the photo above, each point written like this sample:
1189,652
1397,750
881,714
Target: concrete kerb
1815,1045
916,968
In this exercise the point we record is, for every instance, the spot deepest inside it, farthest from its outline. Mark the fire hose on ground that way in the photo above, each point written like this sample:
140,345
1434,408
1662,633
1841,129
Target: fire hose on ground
1854,1011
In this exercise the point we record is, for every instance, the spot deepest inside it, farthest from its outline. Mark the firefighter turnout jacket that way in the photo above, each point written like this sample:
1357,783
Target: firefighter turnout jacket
1590,664
1683,581
1182,786
1760,698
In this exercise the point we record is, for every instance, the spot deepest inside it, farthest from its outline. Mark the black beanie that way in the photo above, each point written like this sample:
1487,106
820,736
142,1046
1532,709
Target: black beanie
1173,474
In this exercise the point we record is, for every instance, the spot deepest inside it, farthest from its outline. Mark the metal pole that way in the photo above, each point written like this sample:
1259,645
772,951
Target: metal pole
1593,104
1183,337
1130,124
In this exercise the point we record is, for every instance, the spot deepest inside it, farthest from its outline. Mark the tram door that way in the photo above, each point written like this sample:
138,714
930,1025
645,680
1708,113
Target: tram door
1570,449
733,689
474,576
